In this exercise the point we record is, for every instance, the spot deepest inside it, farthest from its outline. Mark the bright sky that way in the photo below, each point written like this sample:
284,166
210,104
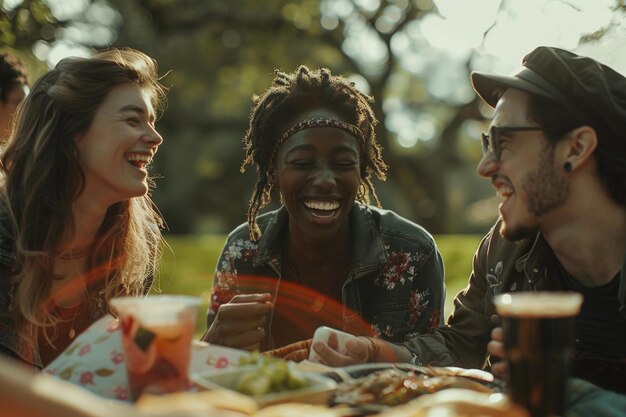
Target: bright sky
457,31
495,34
521,25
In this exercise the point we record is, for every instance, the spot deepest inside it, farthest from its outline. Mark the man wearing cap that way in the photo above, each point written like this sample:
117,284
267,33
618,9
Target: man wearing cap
13,89
556,154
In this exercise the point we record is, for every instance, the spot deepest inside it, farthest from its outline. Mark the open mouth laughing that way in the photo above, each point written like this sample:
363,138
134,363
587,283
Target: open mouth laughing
323,210
504,191
139,160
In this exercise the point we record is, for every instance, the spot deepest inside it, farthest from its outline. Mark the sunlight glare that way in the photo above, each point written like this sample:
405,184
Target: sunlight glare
339,8
67,9
460,25
368,5
360,83
11,4
63,49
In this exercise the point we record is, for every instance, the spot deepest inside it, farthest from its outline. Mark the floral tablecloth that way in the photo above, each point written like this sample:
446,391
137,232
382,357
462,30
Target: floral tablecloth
95,360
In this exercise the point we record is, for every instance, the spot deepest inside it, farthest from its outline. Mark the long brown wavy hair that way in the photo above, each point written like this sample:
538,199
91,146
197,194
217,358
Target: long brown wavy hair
43,176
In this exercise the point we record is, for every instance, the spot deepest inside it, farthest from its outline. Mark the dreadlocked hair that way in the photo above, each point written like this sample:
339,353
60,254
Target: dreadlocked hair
290,95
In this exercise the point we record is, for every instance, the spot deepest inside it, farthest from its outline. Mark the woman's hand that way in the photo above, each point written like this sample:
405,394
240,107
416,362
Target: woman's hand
357,350
496,349
240,323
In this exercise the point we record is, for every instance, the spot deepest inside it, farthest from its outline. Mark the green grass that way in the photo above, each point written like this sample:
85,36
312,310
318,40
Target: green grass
188,267
457,252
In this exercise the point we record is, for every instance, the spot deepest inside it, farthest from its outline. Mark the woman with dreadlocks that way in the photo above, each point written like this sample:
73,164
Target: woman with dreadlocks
325,257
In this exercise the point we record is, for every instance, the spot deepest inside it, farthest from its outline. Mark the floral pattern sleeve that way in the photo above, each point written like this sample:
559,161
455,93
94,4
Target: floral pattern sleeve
225,282
427,297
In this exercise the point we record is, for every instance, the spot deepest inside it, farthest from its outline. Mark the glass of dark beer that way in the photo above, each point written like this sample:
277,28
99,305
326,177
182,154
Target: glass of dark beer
538,341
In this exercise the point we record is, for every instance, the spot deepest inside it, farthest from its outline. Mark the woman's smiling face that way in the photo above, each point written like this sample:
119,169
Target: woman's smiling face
317,171
118,145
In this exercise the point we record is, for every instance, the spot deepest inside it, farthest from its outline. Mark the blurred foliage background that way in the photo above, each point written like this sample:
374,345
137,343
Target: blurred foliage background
412,56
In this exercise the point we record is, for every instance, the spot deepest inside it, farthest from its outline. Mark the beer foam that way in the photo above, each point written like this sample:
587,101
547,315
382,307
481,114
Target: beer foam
539,304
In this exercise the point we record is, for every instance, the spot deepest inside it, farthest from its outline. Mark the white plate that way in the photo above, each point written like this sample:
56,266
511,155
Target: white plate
316,392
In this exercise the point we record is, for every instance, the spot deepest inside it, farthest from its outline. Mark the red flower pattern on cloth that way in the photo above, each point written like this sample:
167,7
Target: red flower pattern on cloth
418,303
102,370
112,326
116,357
84,350
224,290
86,378
433,323
399,269
121,393
221,363
386,330
225,286
248,254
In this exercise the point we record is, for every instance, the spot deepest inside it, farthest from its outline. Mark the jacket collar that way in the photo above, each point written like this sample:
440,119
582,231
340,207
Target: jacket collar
368,248
269,244
535,261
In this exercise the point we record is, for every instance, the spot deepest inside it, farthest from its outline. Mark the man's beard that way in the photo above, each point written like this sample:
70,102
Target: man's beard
545,190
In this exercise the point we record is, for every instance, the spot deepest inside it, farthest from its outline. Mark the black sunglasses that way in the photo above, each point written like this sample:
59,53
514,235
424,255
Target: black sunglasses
491,141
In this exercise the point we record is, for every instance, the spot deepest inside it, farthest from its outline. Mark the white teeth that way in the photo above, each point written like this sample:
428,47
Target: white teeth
136,157
504,191
322,205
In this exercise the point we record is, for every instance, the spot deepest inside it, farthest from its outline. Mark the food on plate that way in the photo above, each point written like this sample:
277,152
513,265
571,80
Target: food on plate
269,376
457,402
390,387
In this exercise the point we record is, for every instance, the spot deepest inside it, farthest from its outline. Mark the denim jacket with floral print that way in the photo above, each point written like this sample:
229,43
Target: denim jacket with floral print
499,266
395,283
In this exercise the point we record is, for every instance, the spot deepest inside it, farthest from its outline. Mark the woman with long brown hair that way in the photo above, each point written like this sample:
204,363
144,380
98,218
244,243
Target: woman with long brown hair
77,224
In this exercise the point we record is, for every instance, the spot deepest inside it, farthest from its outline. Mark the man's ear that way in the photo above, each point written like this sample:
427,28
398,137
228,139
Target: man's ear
580,145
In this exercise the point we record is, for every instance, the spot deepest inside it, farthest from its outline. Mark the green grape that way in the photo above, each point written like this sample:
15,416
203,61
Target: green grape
252,383
272,375
296,381
251,359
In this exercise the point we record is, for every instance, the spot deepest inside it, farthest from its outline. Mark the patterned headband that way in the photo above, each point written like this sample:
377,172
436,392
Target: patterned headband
320,122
